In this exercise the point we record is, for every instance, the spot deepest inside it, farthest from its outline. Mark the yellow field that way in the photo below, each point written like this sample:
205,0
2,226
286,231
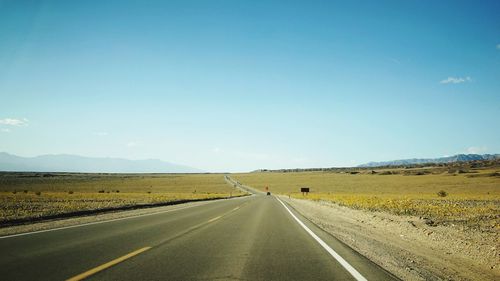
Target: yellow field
33,195
155,183
472,198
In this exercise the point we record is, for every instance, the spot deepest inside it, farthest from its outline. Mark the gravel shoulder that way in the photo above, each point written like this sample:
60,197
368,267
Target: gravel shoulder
407,246
58,223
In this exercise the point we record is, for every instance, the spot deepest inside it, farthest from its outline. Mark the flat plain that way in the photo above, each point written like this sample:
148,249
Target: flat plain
470,197
25,196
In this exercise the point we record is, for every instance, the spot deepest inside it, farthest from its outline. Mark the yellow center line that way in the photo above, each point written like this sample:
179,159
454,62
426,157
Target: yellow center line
107,265
214,219
127,256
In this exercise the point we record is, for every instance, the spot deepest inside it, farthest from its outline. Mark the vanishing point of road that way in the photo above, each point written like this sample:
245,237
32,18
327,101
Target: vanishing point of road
250,238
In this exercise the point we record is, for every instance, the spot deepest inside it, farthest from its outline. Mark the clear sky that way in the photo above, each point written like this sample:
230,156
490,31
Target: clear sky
242,85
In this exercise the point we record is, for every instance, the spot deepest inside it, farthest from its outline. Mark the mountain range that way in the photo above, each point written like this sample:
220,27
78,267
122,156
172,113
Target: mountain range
448,159
80,164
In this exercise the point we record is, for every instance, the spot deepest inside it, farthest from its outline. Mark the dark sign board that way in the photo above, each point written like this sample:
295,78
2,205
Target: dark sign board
304,189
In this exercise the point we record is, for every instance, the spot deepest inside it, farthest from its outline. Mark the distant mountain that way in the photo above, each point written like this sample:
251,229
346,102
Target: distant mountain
80,164
450,159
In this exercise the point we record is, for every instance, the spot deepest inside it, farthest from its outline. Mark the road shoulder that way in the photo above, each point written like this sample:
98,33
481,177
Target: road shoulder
97,218
404,246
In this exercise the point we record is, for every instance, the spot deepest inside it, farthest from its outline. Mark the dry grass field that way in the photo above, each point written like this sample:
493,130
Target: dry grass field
471,198
36,195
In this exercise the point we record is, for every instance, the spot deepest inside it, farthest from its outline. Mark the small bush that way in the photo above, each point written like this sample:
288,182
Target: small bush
25,191
117,191
38,193
101,191
14,192
442,193
70,192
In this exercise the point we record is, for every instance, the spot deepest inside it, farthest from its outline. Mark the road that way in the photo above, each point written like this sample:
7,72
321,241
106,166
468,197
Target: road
250,238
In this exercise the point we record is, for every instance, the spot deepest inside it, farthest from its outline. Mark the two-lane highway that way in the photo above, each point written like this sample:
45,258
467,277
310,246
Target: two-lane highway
251,238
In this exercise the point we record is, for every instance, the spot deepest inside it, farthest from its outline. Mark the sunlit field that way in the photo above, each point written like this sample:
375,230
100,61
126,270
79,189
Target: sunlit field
470,197
34,195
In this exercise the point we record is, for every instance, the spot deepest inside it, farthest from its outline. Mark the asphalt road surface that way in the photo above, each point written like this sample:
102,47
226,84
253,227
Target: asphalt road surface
250,238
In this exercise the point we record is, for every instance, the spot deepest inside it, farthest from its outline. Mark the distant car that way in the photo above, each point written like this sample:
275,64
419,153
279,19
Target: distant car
268,193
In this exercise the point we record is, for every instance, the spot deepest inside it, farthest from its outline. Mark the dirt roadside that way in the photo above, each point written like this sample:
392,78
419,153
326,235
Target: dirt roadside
406,245
75,221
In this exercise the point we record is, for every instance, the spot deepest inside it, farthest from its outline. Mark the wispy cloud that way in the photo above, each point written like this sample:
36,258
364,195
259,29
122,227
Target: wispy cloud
14,122
5,130
455,80
498,46
100,134
477,149
132,144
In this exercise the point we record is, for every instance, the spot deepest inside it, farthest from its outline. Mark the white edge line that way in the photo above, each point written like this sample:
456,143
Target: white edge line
334,254
90,223
111,220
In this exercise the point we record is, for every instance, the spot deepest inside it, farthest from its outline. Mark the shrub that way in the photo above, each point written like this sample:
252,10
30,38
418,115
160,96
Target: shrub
14,192
38,193
101,191
442,193
70,192
117,191
25,191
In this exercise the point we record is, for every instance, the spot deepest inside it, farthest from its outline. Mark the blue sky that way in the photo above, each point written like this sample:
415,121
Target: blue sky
242,85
